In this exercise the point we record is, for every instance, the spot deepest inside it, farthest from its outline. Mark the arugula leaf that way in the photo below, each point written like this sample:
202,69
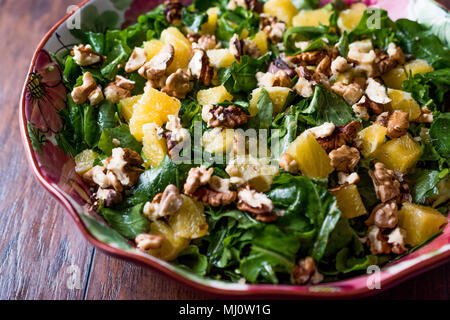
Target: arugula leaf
121,133
272,251
439,134
130,223
299,195
424,184
418,40
106,114
321,36
343,44
305,4
327,106
189,109
193,20
243,219
241,77
91,129
235,21
263,118
155,180
192,260
71,71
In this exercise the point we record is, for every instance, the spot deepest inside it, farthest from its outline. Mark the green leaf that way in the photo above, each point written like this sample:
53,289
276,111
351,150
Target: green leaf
106,114
155,180
192,260
121,133
129,223
305,4
193,20
424,184
299,195
241,77
326,106
232,22
439,134
263,118
91,129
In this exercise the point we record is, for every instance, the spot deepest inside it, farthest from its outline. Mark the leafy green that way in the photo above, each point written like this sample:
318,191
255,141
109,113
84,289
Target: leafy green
235,21
263,118
424,185
321,37
241,77
301,196
192,260
153,181
418,40
91,128
271,251
193,20
327,106
106,114
439,135
305,4
121,133
129,223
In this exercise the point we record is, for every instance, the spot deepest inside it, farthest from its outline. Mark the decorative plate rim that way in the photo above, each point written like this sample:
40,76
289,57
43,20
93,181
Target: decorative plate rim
246,290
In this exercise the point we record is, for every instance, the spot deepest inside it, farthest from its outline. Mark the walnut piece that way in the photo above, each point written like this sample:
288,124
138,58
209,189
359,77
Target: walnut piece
81,93
288,163
226,117
398,124
96,96
172,11
146,241
278,79
176,136
305,272
341,136
208,42
109,197
384,215
214,198
344,158
242,47
385,181
383,119
119,89
84,55
280,65
425,117
350,92
197,177
123,163
324,66
178,84
347,179
273,28
396,53
308,57
257,203
136,61
324,130
165,204
377,242
200,68
376,92
361,109
157,66
339,65
397,240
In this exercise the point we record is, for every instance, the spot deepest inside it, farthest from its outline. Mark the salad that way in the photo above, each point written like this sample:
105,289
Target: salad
264,142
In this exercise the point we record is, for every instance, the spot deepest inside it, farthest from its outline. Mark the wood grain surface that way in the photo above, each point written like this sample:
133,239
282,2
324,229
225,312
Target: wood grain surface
42,254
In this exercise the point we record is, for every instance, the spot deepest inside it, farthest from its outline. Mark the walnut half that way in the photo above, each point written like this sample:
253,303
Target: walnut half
257,203
305,272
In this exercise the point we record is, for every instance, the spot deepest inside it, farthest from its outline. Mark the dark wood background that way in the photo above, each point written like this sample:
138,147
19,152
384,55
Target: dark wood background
40,247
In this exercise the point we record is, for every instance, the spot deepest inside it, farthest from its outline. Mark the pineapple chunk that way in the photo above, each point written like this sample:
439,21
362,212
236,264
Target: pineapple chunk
258,172
209,27
181,45
154,106
349,201
220,58
84,161
260,41
418,66
127,106
420,222
213,95
278,95
400,153
312,159
404,101
371,137
349,18
284,10
395,77
152,47
172,244
312,18
189,222
154,148
218,140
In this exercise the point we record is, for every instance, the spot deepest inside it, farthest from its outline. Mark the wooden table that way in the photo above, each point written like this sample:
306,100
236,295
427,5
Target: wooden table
41,249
